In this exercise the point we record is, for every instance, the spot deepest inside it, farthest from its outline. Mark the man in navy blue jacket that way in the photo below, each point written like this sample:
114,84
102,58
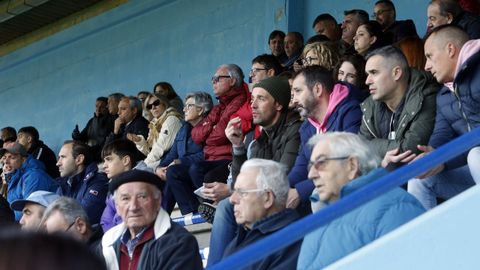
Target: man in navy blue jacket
453,61
327,107
80,179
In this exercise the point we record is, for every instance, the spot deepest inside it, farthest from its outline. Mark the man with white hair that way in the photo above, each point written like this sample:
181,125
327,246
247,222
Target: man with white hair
259,198
340,164
147,238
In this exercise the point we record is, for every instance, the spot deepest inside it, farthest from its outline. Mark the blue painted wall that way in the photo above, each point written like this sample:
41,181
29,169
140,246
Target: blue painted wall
52,84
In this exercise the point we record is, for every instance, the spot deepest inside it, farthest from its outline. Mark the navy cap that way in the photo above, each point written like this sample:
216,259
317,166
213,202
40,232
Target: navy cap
135,176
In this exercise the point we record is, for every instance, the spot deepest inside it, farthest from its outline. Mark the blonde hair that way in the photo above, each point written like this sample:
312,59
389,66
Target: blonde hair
327,52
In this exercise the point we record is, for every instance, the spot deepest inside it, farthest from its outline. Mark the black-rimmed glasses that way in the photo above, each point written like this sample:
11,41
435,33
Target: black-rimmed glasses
216,79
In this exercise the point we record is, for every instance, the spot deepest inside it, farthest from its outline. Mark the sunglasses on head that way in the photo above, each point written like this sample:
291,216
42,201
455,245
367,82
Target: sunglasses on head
154,104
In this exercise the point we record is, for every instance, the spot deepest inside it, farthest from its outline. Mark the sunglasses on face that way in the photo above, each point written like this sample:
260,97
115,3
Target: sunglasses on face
153,104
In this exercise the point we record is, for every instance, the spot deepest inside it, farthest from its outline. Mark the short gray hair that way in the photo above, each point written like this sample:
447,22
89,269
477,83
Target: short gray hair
134,102
272,176
202,100
69,208
235,72
349,144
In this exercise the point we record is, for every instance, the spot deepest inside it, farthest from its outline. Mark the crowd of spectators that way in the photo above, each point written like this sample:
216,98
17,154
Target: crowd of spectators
316,122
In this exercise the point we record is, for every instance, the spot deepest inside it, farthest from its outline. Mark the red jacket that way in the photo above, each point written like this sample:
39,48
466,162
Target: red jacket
211,131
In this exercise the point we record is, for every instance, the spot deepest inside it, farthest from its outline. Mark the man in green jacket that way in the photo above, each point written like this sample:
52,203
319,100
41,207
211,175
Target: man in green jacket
400,112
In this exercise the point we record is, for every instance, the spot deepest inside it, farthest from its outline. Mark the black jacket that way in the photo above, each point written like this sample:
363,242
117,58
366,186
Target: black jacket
138,126
42,152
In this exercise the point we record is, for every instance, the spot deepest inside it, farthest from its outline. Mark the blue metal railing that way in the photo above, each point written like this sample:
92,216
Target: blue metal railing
299,229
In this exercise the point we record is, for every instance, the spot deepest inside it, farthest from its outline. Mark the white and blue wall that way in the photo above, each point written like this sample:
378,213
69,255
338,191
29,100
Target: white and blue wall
52,84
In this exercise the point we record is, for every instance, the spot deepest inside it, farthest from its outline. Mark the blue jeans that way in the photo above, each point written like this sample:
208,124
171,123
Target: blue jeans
445,185
224,230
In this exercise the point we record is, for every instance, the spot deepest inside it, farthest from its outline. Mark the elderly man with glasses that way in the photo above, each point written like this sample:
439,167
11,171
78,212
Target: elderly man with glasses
232,93
342,163
66,215
259,198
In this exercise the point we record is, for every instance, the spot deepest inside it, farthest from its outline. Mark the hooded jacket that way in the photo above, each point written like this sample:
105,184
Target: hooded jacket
344,116
416,119
458,109
30,177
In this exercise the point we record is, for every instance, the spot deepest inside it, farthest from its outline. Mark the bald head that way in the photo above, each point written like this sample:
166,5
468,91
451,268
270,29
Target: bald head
442,48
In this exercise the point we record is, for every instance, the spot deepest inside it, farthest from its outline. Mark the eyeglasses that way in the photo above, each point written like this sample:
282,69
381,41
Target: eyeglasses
153,104
242,193
216,79
189,106
308,60
320,163
256,70
380,12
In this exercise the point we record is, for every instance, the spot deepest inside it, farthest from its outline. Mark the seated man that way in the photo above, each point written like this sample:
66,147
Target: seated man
8,135
327,106
385,14
129,120
30,139
147,238
264,66
112,104
97,129
118,156
66,215
259,198
400,112
454,61
33,208
325,24
442,12
279,141
212,173
80,179
275,43
342,163
293,44
25,176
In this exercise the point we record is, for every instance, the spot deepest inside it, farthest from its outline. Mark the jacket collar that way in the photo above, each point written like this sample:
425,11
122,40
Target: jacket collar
276,221
362,181
161,226
231,94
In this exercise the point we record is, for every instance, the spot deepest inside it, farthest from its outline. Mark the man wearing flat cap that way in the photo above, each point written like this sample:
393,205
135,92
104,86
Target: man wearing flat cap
33,208
147,238
26,176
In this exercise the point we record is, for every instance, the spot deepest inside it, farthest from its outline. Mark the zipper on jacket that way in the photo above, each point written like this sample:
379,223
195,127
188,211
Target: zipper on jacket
369,129
460,107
